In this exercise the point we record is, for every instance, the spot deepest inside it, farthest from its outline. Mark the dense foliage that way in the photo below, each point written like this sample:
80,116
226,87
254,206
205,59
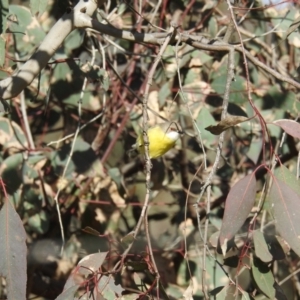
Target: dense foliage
221,219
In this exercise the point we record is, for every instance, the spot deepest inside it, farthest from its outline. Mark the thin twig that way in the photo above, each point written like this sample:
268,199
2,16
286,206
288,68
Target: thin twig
72,151
247,12
12,86
195,125
124,50
134,93
230,76
204,286
80,128
157,6
144,212
246,55
203,43
289,276
185,227
229,32
96,142
24,113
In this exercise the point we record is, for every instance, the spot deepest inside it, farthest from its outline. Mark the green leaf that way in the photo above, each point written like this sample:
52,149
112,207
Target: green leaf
38,6
261,247
39,222
263,278
288,102
286,25
237,88
11,135
213,26
255,148
203,56
10,172
61,70
82,159
4,13
108,288
73,40
29,171
191,76
163,94
26,29
32,200
204,119
116,176
122,8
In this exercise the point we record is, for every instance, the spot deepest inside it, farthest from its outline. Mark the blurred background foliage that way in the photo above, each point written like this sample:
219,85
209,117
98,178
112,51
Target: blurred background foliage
103,187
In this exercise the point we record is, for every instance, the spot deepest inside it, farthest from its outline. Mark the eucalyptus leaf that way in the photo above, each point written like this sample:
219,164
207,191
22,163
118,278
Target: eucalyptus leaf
38,6
204,120
39,222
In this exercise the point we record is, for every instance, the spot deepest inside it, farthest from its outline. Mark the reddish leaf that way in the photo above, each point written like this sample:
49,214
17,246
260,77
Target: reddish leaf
286,207
289,126
239,203
13,252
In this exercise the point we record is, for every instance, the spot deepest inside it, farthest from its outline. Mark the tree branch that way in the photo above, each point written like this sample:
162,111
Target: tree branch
80,17
12,86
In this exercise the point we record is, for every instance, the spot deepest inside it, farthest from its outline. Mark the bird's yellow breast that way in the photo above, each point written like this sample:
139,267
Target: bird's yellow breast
159,142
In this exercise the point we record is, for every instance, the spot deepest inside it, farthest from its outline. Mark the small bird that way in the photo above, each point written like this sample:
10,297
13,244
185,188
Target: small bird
162,137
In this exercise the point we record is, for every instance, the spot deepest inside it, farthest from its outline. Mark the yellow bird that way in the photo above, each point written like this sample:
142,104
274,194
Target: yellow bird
162,137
